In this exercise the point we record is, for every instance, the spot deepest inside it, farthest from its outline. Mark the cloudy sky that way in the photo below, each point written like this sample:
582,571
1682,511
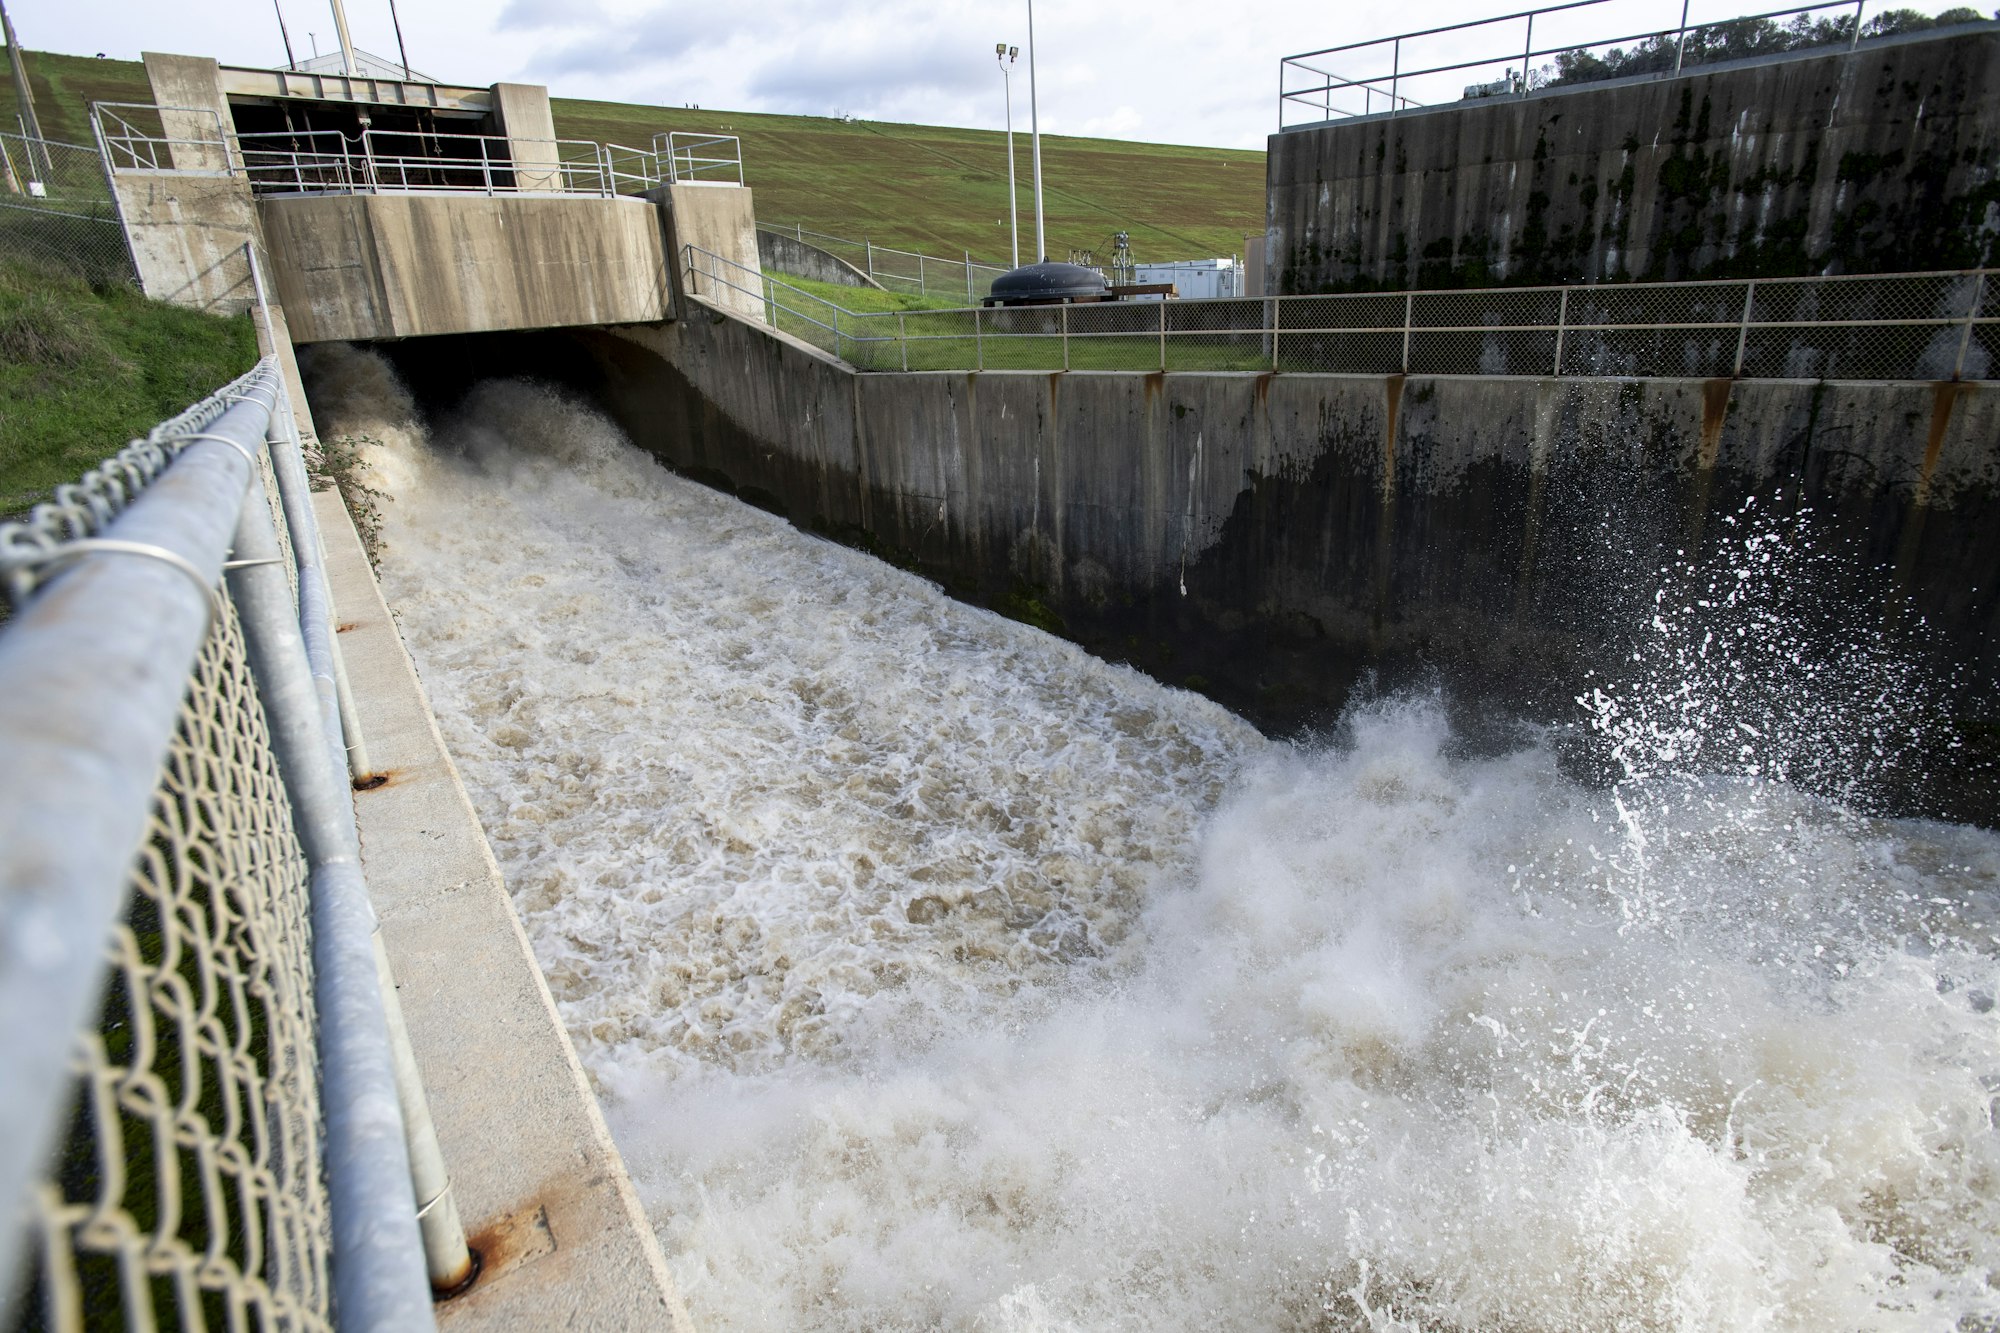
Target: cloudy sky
1171,71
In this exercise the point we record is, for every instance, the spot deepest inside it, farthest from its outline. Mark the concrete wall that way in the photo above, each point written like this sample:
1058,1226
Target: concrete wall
788,254
721,219
395,266
194,109
1273,540
187,233
1883,160
521,112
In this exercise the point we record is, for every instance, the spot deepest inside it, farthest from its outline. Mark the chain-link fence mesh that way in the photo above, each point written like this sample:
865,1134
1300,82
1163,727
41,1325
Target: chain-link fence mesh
187,1190
56,210
1914,326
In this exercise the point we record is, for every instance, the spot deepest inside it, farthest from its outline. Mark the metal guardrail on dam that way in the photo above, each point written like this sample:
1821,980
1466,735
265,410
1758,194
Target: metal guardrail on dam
141,137
1907,326
207,1087
1495,57
899,269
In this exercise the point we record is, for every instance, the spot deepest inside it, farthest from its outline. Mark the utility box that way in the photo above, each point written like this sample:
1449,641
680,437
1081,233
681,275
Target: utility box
1193,278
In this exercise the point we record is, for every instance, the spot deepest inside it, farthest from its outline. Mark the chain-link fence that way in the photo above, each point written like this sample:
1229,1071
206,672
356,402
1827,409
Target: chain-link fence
1905,326
56,210
200,1128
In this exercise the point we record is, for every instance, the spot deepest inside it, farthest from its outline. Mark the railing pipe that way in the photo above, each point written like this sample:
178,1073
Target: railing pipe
1743,327
1855,40
1971,314
442,1236
1527,55
1409,310
1562,328
379,1276
92,672
1680,45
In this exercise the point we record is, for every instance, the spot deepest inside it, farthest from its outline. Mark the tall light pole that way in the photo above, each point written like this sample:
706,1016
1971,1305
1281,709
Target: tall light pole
1035,130
1005,54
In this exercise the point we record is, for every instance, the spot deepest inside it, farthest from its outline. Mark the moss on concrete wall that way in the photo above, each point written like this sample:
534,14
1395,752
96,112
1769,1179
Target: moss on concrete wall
1885,159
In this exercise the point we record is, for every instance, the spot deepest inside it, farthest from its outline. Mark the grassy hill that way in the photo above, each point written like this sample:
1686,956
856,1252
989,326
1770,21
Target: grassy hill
920,187
943,191
83,370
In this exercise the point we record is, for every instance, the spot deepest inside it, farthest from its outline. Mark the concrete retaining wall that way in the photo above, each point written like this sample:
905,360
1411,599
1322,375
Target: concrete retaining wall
187,233
788,254
404,265
721,219
1883,160
1273,540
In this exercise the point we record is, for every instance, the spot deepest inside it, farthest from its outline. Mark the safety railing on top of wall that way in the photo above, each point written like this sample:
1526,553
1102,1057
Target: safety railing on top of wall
901,270
138,137
203,1125
1496,57
690,158
1910,326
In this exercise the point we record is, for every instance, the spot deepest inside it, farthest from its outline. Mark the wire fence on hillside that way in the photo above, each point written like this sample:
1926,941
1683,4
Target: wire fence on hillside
56,211
1914,326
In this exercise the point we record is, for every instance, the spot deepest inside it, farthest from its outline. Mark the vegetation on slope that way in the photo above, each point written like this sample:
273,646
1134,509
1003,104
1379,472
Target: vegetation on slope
83,370
944,191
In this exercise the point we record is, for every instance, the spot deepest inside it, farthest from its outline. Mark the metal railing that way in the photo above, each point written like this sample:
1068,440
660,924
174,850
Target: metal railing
203,1123
136,137
901,270
1497,57
699,158
1909,326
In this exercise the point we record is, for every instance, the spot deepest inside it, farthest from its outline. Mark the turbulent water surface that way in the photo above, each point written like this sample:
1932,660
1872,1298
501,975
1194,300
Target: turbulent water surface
937,975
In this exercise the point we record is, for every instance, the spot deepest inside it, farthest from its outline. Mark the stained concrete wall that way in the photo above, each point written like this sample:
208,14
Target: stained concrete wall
721,219
788,254
1886,159
194,111
1275,540
362,267
521,112
187,233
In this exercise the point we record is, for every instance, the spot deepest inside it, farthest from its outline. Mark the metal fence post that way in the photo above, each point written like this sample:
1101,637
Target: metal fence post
978,342
1680,46
968,277
1163,335
921,288
1562,329
1971,313
1527,53
1855,40
1743,328
903,337
1277,328
1409,308
1064,308
870,247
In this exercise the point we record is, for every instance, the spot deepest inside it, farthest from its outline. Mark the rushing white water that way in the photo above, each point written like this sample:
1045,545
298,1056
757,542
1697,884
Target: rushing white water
939,976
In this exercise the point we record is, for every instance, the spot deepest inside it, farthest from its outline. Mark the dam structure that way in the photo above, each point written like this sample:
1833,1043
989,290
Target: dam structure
1476,806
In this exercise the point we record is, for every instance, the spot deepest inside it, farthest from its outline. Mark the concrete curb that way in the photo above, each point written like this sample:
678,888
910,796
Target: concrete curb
544,1192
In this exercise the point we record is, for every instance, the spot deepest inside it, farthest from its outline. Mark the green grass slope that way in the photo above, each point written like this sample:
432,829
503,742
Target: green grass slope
918,187
944,191
84,370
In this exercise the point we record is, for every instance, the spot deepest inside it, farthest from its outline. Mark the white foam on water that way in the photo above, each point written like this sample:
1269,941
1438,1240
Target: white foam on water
937,975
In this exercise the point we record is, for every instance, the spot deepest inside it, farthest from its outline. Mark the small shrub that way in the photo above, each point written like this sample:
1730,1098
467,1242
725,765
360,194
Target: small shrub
337,465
